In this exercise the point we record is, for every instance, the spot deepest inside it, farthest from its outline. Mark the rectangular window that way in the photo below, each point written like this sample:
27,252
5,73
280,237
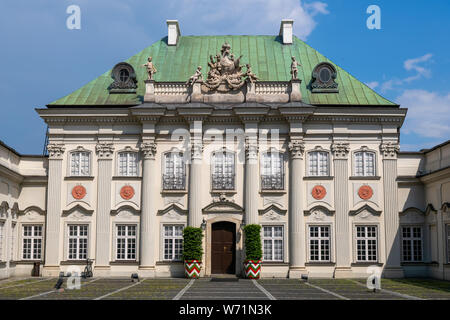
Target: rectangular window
318,164
174,177
79,164
366,243
319,243
412,244
364,164
272,171
128,164
173,242
126,239
32,242
448,243
223,171
78,242
13,242
2,225
273,243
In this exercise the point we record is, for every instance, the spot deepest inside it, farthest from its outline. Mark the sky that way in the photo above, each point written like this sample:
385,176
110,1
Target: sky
406,61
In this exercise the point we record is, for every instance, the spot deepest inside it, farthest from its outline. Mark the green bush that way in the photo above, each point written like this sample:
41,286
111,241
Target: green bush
253,249
192,243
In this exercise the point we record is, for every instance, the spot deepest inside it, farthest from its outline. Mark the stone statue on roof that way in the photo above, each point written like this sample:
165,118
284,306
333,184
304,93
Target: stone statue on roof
250,75
151,69
294,68
197,76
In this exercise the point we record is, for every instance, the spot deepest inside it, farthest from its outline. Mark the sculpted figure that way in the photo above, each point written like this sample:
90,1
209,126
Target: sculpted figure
195,77
294,69
151,69
250,75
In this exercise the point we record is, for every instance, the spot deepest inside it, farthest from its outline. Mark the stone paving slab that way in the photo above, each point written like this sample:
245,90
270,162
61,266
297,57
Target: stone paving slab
15,282
292,289
351,290
27,290
205,289
422,288
151,289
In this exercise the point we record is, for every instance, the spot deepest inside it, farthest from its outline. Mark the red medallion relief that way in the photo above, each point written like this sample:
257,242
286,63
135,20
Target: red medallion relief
319,192
365,192
127,192
78,192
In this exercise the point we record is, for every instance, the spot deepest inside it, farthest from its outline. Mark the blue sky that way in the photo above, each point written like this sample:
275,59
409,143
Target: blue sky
407,61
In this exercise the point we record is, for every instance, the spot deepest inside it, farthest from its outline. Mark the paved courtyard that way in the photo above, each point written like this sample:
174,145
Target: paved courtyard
205,289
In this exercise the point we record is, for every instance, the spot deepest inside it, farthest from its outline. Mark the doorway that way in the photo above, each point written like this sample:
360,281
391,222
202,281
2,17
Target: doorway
223,248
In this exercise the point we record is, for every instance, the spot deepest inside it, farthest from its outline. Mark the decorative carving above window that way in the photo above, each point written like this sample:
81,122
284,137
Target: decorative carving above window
124,79
323,79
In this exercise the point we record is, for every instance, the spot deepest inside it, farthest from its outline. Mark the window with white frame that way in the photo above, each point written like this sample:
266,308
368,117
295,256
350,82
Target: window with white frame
448,243
13,241
80,163
174,176
32,242
318,164
77,242
366,243
2,228
273,243
364,163
223,170
319,243
126,240
412,244
173,242
272,171
128,164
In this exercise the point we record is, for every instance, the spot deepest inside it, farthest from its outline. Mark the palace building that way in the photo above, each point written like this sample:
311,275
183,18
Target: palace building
219,132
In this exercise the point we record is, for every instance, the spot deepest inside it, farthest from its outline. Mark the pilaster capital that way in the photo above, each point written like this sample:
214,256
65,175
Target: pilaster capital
389,150
148,149
104,150
196,150
251,148
296,148
340,150
55,151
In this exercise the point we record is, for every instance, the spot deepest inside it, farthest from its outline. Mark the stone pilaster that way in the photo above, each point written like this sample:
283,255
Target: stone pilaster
251,179
195,175
296,216
105,151
149,208
389,152
52,243
343,246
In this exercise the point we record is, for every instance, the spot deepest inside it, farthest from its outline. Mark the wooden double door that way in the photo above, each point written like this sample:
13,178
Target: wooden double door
223,248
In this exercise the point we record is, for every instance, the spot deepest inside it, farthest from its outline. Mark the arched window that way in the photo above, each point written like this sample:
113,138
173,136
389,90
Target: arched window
223,170
80,163
174,174
128,164
318,164
272,171
364,163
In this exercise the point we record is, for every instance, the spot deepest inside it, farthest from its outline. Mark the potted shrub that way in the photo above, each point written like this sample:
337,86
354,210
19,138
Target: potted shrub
253,251
192,251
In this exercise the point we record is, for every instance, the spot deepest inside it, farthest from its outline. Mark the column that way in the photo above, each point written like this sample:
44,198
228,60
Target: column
296,217
104,175
195,175
343,245
389,152
148,210
251,173
52,234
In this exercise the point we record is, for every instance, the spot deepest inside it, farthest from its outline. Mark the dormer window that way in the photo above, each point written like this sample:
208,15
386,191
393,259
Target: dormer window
323,78
124,79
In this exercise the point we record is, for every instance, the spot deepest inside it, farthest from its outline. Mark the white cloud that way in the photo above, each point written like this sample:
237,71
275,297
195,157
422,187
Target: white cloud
428,113
372,85
410,65
246,17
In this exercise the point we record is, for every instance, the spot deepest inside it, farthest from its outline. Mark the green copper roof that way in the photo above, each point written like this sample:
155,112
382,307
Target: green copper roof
269,58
